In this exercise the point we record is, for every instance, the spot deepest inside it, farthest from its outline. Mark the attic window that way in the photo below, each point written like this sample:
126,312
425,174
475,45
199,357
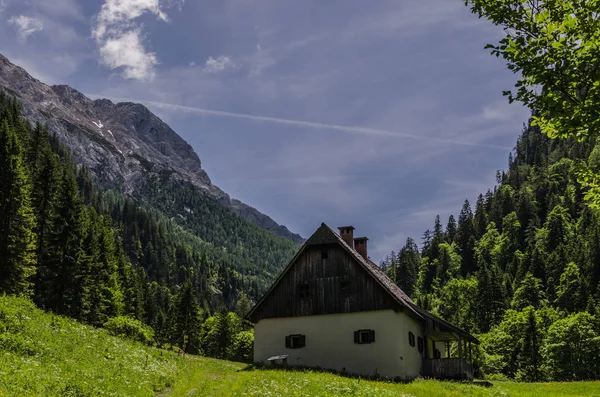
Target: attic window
295,341
345,286
324,254
411,339
420,344
303,291
364,336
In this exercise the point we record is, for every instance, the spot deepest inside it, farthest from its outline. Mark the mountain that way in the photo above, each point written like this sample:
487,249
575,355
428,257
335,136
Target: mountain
123,144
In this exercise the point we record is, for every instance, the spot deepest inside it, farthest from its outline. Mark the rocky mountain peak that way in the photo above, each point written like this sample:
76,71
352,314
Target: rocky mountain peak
122,144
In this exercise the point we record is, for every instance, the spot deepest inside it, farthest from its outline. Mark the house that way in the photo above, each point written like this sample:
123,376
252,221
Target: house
333,308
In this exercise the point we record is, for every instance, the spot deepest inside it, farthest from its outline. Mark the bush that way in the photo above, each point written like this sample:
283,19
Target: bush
243,350
130,328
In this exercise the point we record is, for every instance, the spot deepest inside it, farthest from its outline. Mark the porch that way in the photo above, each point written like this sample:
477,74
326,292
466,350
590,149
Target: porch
448,368
448,353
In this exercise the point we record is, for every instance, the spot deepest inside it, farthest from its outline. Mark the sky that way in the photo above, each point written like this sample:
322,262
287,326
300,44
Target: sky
379,114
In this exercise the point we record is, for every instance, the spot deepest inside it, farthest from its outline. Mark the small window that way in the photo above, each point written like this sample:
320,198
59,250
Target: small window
420,344
295,341
411,339
304,291
345,286
364,336
324,254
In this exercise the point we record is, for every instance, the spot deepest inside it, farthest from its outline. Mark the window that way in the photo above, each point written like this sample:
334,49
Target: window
304,290
345,286
324,254
295,341
411,339
420,344
364,336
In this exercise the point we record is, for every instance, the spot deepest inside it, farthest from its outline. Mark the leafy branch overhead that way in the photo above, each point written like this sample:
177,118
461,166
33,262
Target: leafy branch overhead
555,47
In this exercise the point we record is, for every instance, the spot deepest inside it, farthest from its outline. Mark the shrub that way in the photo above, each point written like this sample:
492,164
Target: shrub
243,347
130,328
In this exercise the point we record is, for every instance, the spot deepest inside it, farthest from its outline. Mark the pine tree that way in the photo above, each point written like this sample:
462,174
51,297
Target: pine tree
490,297
58,282
17,221
106,297
465,239
408,267
185,320
480,221
438,238
451,229
530,359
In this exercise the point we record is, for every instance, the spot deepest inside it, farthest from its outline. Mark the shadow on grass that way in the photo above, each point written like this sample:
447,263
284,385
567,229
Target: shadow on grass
374,377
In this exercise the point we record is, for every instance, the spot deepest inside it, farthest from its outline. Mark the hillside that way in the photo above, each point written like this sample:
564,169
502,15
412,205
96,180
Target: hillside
92,254
47,355
523,269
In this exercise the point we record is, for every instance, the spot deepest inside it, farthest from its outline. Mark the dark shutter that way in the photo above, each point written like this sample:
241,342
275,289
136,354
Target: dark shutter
371,336
356,337
288,341
302,340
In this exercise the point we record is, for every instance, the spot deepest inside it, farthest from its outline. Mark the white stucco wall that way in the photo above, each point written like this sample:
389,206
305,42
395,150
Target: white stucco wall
330,342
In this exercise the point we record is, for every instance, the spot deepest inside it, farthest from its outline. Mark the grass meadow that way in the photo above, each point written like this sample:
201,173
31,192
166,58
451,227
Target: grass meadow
46,355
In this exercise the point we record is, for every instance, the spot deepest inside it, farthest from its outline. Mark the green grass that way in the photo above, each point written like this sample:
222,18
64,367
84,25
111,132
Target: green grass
222,378
46,355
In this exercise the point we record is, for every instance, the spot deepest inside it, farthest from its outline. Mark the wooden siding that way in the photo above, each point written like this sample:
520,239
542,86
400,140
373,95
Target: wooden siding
337,284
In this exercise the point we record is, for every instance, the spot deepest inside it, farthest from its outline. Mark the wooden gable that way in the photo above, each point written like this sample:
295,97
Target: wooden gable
324,278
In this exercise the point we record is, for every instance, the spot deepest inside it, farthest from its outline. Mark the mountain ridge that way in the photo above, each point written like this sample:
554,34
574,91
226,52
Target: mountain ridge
121,143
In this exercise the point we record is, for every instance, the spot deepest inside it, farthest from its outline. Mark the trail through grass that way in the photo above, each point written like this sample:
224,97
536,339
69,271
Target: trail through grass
46,355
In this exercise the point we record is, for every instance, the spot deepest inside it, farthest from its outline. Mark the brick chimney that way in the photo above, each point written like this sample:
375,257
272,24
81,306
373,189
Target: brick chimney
360,245
347,234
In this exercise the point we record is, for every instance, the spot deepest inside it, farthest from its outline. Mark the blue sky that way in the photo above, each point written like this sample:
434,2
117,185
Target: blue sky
379,113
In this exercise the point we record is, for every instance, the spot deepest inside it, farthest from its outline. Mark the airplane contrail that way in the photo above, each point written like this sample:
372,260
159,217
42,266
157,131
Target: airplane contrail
301,123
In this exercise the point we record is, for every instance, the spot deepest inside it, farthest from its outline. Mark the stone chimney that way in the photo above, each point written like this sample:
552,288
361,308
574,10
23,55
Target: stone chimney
347,234
360,245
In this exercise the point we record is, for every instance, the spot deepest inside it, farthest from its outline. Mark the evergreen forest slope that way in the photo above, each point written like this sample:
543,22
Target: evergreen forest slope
521,269
80,251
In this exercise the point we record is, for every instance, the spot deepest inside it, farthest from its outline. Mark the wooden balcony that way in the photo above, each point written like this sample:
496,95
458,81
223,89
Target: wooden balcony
448,368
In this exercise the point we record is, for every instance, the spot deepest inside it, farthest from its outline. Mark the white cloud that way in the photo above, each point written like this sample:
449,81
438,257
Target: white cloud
120,38
127,51
26,25
2,6
214,65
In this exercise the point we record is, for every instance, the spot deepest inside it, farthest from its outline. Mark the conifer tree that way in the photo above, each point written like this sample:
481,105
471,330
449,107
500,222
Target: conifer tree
465,238
58,282
17,221
451,229
185,320
106,298
408,267
530,359
490,297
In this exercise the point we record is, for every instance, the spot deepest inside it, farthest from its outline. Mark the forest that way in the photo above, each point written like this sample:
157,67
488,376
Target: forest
520,270
109,260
